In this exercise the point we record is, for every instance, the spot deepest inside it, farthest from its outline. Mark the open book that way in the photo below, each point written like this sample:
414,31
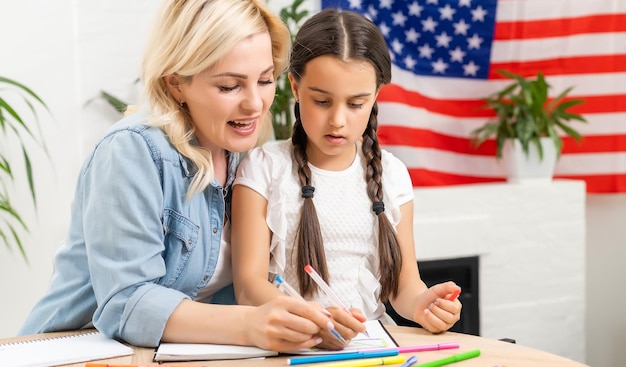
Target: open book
378,338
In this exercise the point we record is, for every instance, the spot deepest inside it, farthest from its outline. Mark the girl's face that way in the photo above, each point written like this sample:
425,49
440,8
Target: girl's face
336,98
229,101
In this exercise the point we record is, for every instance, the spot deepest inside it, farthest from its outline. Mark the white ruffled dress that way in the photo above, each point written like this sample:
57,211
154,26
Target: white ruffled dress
348,224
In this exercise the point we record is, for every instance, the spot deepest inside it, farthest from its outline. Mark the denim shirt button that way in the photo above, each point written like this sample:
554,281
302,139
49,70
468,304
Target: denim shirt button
214,229
205,278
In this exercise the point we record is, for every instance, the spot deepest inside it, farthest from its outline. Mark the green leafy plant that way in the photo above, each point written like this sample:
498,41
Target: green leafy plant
524,112
281,109
14,125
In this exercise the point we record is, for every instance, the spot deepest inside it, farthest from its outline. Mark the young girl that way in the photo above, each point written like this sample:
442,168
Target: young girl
330,197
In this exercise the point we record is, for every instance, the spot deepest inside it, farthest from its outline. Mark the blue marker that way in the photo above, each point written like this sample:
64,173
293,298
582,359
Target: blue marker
409,362
342,356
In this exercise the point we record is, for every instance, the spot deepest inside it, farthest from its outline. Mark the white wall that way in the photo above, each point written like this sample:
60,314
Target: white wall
68,50
530,240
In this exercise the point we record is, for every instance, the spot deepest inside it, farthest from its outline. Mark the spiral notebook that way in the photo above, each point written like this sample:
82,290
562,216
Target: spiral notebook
61,350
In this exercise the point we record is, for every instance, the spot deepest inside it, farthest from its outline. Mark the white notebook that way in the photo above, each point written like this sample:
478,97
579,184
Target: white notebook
378,338
204,352
61,350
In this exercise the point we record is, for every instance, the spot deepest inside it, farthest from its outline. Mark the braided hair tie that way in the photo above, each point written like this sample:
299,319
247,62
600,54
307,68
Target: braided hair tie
378,207
307,191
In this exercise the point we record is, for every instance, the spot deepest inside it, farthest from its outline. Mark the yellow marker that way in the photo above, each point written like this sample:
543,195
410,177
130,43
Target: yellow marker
367,362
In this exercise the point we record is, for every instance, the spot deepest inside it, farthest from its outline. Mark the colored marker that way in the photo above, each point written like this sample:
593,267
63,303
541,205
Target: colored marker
427,347
409,362
324,287
367,362
452,359
454,295
285,287
342,356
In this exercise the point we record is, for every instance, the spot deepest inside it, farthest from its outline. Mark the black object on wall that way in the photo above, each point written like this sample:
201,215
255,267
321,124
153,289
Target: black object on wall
464,272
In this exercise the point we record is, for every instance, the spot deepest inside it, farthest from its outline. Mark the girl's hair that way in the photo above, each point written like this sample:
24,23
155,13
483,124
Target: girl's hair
349,36
188,37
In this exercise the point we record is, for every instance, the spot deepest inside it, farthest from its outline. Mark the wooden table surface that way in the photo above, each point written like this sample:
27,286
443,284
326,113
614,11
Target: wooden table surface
493,352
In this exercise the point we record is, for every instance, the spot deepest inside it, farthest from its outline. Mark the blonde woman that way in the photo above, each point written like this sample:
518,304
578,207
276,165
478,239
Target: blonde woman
147,255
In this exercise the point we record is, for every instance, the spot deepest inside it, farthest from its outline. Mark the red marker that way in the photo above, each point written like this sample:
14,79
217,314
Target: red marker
454,295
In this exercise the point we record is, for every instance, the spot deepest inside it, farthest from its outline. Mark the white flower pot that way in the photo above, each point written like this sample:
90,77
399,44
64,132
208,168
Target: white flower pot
519,167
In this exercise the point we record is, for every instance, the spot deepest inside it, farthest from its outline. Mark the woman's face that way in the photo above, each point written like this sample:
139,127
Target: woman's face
228,102
336,98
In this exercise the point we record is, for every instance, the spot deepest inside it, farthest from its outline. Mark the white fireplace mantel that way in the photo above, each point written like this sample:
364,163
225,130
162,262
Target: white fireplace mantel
530,239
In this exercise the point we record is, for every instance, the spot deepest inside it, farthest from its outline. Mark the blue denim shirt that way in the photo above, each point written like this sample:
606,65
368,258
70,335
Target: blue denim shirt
136,247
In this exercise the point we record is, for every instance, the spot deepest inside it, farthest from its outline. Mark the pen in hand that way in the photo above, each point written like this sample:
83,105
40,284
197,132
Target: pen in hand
288,289
326,289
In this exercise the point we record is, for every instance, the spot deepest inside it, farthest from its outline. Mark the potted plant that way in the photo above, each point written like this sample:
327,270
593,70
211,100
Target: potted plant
282,108
528,122
15,127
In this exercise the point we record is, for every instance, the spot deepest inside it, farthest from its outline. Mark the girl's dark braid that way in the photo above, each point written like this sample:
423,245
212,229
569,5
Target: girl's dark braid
388,247
309,235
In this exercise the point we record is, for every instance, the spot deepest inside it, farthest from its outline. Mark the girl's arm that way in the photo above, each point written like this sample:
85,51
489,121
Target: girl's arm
415,301
250,242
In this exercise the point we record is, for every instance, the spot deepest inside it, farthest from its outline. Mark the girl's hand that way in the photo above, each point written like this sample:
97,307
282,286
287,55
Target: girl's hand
434,311
287,324
348,325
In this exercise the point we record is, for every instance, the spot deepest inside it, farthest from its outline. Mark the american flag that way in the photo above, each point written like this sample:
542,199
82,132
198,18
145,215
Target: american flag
446,54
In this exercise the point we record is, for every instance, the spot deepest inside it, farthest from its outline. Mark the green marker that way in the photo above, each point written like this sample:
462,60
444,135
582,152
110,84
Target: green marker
455,358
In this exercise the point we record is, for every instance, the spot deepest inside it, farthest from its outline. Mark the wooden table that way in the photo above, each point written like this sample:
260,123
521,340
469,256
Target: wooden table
493,352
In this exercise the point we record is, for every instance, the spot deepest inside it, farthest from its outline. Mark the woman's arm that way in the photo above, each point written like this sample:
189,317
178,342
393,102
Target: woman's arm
282,324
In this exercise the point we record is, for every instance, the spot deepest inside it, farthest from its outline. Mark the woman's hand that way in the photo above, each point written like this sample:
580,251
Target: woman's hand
434,311
286,324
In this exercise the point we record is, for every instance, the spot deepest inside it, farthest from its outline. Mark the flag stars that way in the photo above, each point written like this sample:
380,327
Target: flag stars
436,2
470,69
439,66
478,14
397,46
409,62
384,29
447,12
474,42
429,25
461,27
355,4
415,9
457,54
385,4
426,51
411,35
467,3
443,40
399,18
372,12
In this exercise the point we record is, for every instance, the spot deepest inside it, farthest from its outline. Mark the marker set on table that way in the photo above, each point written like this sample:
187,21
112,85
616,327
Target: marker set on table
374,357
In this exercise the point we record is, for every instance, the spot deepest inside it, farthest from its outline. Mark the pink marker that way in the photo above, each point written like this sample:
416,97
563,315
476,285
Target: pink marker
428,347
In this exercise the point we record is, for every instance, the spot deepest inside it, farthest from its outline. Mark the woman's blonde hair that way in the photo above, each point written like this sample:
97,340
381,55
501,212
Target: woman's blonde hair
188,37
